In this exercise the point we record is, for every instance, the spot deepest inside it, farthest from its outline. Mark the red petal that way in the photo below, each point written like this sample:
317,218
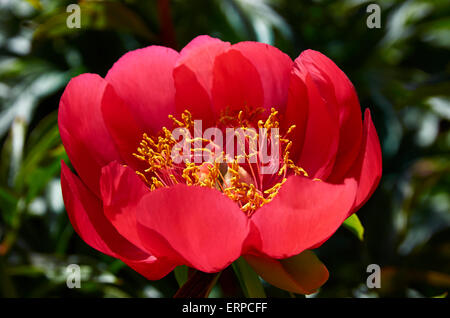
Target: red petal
335,85
322,131
196,226
236,83
303,213
192,96
368,166
199,56
151,268
201,42
86,215
301,274
121,192
296,114
82,205
193,77
143,79
274,68
83,131
122,126
78,200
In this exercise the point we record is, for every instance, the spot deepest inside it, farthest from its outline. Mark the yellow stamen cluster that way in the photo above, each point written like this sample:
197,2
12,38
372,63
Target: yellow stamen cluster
245,193
157,154
241,185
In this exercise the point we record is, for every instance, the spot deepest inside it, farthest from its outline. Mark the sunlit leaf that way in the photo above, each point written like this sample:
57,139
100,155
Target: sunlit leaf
354,225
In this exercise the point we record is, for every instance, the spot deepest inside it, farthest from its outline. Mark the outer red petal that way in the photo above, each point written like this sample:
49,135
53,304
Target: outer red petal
86,215
193,76
303,213
83,131
151,268
78,200
366,169
273,67
302,274
196,226
121,191
368,166
82,203
143,79
321,140
335,86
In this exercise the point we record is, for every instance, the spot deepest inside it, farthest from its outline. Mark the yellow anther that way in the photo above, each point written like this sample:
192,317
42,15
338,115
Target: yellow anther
176,121
173,178
290,129
157,183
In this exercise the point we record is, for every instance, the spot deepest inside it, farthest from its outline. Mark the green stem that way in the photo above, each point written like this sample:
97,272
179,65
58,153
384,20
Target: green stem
198,285
249,280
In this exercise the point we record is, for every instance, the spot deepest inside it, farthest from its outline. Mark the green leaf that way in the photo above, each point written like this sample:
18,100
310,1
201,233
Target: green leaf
199,285
249,280
8,203
354,225
181,274
33,172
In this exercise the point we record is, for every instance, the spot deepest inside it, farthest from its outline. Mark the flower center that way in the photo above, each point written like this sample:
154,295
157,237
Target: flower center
239,176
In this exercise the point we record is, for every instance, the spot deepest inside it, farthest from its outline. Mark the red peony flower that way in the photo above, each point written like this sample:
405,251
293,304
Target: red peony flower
131,201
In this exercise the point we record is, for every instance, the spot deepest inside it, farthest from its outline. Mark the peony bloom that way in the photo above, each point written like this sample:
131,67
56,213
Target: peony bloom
130,201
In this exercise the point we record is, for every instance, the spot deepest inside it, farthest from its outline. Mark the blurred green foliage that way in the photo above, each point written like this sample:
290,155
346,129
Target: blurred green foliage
401,72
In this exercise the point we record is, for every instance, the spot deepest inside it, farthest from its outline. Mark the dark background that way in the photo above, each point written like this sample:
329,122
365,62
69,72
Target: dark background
401,72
